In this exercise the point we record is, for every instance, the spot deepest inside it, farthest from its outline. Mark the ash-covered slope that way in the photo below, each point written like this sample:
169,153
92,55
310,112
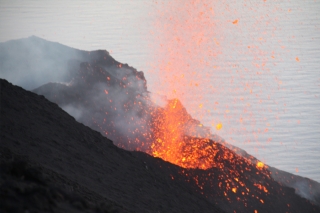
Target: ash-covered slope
80,160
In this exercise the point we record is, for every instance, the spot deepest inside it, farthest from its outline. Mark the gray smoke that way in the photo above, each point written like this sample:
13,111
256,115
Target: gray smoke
304,187
95,89
32,62
111,99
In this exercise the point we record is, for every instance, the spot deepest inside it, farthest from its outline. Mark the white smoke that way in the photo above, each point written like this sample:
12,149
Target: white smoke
74,111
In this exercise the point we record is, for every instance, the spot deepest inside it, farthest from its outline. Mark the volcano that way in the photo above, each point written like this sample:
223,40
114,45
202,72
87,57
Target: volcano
70,166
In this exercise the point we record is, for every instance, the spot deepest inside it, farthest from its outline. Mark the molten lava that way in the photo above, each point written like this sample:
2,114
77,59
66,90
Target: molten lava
176,140
170,126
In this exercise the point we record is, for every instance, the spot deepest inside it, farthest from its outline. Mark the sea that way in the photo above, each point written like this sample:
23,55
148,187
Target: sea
252,67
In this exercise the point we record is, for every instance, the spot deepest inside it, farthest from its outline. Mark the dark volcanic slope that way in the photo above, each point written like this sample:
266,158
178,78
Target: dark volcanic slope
75,159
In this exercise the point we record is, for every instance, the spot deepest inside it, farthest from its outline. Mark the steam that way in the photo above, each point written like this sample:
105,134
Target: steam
304,187
111,99
73,111
33,61
158,100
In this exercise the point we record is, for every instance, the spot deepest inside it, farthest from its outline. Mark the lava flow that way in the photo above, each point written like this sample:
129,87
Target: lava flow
169,126
177,140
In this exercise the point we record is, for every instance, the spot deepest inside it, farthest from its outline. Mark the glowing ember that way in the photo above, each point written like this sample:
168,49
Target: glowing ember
235,21
219,126
171,143
260,165
262,188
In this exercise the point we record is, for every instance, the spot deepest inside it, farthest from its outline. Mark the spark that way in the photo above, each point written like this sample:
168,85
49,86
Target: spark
260,165
219,126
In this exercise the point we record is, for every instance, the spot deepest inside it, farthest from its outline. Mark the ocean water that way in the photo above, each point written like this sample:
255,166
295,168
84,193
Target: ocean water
251,66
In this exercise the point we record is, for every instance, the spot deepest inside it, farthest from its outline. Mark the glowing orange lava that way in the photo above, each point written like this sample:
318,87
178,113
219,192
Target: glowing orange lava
183,30
170,125
260,165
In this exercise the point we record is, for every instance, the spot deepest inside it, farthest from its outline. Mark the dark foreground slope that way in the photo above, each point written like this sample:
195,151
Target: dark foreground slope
51,162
